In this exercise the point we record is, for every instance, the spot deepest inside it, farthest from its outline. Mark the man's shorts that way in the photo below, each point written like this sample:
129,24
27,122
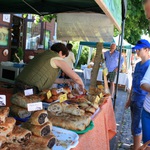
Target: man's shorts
146,125
111,76
136,112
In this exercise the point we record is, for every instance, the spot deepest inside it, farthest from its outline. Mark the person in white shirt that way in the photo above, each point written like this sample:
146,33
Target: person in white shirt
145,85
70,59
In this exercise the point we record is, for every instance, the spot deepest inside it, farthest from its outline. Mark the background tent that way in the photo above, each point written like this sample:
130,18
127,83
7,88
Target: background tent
106,45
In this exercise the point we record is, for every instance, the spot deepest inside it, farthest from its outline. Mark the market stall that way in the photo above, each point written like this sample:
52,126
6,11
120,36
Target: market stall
95,95
104,130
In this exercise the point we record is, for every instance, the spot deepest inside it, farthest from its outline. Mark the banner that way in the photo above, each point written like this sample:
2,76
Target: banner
112,8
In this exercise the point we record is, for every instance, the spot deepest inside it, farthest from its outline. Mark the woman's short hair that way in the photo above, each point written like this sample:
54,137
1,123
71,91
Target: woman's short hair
69,46
57,47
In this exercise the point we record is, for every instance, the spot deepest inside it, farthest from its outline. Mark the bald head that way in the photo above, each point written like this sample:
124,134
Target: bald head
112,47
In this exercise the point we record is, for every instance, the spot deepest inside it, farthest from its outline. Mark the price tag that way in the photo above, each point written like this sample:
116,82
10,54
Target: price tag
34,106
59,90
49,94
2,100
97,99
100,95
28,92
62,98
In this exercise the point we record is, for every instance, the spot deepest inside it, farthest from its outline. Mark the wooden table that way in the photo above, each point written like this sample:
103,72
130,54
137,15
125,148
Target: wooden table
104,130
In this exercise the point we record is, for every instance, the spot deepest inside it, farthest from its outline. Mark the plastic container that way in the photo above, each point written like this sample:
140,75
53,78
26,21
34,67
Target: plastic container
66,139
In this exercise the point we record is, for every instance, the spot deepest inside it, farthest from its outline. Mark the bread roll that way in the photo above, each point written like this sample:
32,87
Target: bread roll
71,122
19,135
7,127
21,100
4,111
11,146
30,145
58,108
54,91
39,130
39,117
2,140
46,141
20,112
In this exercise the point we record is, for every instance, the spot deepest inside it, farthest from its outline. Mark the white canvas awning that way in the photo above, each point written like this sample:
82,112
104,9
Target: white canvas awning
84,27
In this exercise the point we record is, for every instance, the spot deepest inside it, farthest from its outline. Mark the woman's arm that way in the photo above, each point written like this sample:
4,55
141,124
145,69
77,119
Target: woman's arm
67,70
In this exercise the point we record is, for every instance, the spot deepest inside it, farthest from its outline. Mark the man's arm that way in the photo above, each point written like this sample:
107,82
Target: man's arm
145,83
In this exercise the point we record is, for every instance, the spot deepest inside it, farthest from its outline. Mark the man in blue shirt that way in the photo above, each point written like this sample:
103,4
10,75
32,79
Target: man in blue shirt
111,60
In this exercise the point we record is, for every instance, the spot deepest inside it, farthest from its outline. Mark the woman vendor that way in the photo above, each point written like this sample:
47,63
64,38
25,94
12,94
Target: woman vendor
42,71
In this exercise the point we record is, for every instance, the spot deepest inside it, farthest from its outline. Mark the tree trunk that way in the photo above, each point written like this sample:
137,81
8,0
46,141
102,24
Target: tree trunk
96,66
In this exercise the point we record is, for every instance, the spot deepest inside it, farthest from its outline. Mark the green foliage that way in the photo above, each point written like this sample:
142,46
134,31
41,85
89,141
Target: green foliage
20,54
45,18
84,56
136,22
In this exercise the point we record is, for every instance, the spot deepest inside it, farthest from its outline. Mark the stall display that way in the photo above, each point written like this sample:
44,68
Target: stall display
18,137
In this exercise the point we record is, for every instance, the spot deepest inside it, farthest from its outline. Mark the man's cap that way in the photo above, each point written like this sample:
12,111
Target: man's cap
141,44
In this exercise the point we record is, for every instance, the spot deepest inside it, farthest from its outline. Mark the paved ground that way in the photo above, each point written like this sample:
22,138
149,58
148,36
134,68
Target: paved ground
123,139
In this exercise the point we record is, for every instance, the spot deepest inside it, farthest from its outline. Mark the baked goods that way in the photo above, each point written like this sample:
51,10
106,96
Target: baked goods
2,140
71,122
38,130
11,146
46,141
21,100
39,117
19,135
34,146
4,111
7,127
20,112
58,108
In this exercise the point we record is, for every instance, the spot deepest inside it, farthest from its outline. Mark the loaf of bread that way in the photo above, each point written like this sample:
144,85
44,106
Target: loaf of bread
30,145
2,140
11,146
39,130
58,108
21,100
71,122
4,111
7,127
19,135
39,117
20,112
46,141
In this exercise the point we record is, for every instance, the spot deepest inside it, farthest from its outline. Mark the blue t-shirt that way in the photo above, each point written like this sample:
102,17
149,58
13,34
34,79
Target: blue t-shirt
137,93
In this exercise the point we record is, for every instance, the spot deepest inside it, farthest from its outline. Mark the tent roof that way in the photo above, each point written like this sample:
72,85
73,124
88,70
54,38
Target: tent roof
105,44
49,6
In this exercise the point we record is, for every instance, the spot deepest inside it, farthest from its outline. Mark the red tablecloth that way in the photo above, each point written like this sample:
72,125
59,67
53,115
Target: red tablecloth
104,130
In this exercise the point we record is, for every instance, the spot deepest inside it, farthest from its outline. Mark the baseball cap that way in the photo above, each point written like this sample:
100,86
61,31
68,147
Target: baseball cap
141,44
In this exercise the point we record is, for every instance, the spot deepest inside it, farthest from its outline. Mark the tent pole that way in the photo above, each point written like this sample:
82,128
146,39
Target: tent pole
124,8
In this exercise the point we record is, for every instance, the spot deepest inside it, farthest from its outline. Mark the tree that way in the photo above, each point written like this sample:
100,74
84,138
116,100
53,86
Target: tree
136,22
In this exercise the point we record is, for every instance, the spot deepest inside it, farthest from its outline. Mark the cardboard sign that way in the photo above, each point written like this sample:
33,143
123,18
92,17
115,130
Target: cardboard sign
28,92
2,100
35,106
59,90
101,95
62,98
49,94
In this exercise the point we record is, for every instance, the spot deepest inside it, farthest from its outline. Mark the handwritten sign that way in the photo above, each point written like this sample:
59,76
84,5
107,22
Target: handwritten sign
28,92
2,100
59,90
49,94
62,98
35,106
